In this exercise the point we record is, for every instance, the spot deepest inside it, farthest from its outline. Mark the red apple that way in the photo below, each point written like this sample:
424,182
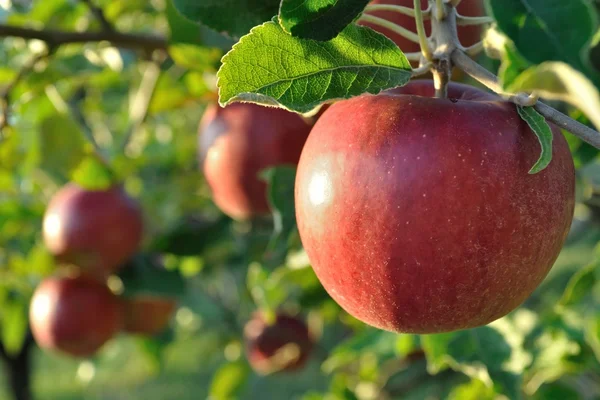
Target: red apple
468,35
76,316
240,140
94,230
148,315
419,214
282,345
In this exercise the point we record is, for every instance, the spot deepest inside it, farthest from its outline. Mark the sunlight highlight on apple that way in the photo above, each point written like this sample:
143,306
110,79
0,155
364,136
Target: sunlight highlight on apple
320,191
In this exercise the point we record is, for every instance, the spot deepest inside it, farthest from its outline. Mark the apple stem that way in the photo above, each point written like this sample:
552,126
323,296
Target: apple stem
441,77
397,9
485,77
384,23
425,49
454,3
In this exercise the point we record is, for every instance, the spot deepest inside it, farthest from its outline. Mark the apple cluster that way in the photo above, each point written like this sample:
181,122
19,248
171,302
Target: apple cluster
92,234
418,214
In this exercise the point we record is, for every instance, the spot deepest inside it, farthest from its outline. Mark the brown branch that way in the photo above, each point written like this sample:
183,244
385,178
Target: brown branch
55,38
99,15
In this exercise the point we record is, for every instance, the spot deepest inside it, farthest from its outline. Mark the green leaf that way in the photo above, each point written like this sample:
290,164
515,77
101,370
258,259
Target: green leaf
41,261
93,174
62,146
319,19
14,322
191,236
145,275
182,29
592,335
480,353
233,17
542,130
229,380
473,390
380,343
280,193
270,67
557,391
546,30
194,57
580,285
559,81
501,47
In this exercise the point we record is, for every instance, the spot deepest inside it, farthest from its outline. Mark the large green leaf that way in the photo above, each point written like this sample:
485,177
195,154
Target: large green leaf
270,67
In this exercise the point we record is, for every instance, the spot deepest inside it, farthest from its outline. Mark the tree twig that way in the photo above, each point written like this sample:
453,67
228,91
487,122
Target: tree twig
55,38
397,9
384,23
464,20
474,49
414,56
440,13
99,15
476,71
5,93
422,70
425,50
141,102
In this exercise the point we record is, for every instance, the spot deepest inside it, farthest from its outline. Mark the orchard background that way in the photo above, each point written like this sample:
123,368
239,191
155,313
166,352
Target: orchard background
100,90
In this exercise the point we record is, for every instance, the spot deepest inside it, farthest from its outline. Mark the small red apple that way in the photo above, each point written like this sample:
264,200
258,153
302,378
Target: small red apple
96,230
282,345
419,215
147,315
240,140
76,316
468,35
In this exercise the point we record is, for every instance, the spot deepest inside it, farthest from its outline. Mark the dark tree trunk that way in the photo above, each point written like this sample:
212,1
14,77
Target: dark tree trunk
18,369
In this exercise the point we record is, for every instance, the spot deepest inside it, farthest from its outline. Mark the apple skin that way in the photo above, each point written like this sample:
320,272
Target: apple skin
419,215
147,315
95,230
468,35
74,315
265,341
240,140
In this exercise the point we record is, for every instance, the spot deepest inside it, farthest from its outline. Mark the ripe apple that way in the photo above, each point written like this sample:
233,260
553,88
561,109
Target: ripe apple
96,230
74,315
147,315
282,345
468,35
419,215
240,140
